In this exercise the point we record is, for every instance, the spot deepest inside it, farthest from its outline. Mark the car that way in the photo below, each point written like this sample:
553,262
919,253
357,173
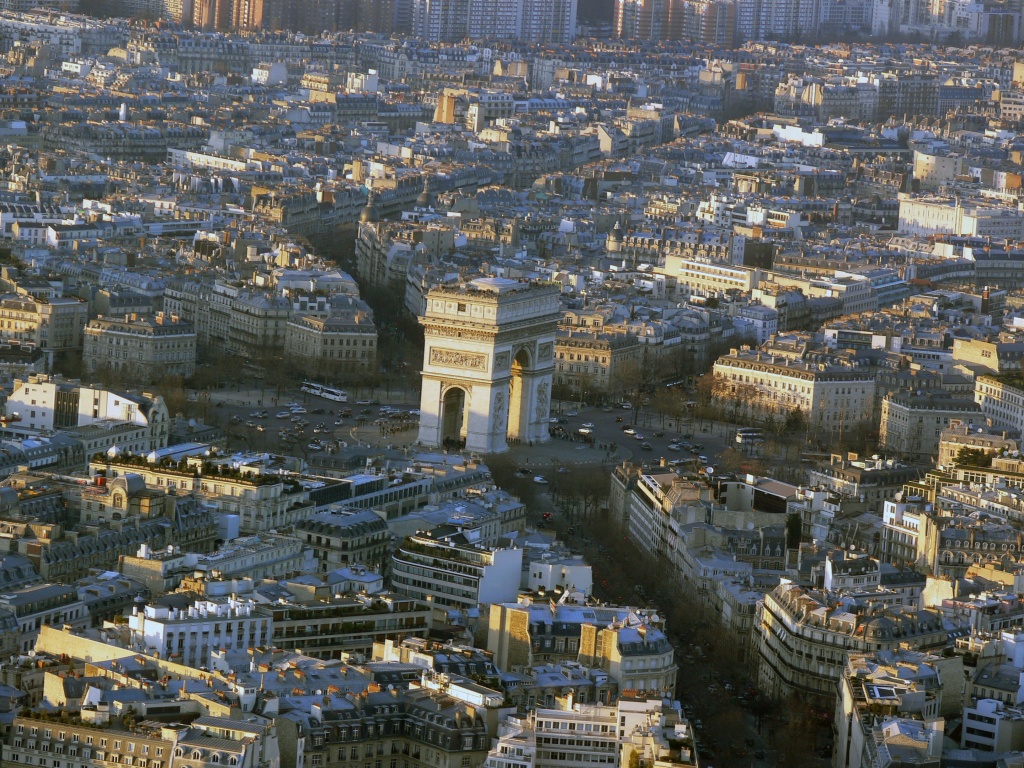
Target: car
259,428
638,436
553,420
629,430
295,419
563,470
588,424
365,411
337,423
523,472
702,459
314,446
618,419
573,413
563,420
300,409
606,409
414,411
284,414
292,404
317,430
250,424
540,480
673,447
659,434
254,415
345,413
546,516
626,406
646,447
584,431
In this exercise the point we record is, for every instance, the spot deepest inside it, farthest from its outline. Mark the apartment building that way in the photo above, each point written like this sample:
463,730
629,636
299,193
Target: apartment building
535,630
925,216
98,739
144,349
912,422
80,745
316,623
711,279
262,556
262,501
591,362
48,403
422,728
1001,399
346,341
445,569
43,604
54,324
344,538
635,653
871,480
832,396
911,689
803,636
960,435
188,633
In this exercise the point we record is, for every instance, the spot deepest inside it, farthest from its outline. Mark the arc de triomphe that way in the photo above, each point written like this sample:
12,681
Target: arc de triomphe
487,362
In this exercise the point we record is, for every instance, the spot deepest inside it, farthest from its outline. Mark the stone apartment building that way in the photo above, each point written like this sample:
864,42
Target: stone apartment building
421,728
345,538
802,637
347,339
140,348
831,396
54,324
912,422
261,501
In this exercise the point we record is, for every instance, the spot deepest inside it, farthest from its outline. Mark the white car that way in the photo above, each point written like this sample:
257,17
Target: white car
638,436
540,480
300,409
584,431
284,414
673,446
552,420
629,431
588,424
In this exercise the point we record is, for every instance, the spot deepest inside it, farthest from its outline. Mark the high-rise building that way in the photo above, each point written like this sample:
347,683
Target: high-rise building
440,20
376,16
639,19
534,21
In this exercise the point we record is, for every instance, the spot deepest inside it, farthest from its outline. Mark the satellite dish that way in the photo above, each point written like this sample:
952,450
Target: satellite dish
710,470
750,526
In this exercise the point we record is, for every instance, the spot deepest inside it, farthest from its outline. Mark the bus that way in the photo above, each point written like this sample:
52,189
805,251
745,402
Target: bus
749,436
328,393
